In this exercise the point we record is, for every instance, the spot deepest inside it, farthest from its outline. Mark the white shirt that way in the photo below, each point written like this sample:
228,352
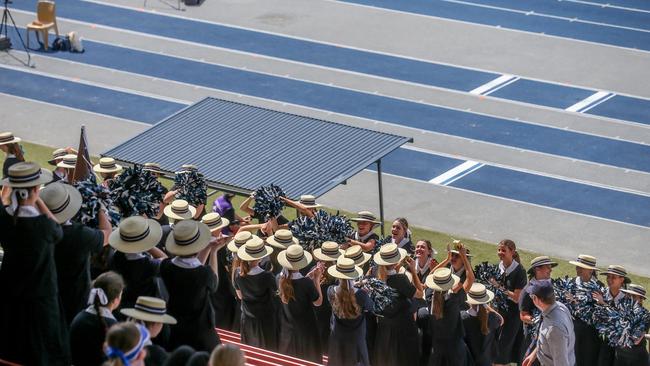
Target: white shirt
510,268
255,270
187,263
104,312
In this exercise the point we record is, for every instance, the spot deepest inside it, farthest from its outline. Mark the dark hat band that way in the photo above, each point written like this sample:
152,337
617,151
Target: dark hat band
132,238
189,241
616,271
59,155
367,217
214,223
180,211
295,258
7,138
587,262
70,161
150,310
357,257
107,165
62,207
443,282
284,240
345,270
25,178
333,251
479,295
308,202
542,263
241,242
391,255
251,251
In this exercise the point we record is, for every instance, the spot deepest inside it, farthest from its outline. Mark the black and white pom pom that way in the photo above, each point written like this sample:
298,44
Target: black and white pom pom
624,324
487,274
191,187
137,192
93,196
380,293
311,232
268,202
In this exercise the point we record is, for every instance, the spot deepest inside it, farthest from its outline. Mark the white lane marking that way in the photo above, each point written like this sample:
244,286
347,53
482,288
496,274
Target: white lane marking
546,15
536,172
598,102
587,101
501,86
453,172
489,85
96,84
470,171
601,5
411,13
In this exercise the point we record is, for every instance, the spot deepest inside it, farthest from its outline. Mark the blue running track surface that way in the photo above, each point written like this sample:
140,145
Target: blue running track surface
406,113
525,187
494,181
398,68
86,97
469,12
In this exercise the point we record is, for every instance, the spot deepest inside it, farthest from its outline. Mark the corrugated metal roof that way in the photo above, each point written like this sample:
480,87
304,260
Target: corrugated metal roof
240,147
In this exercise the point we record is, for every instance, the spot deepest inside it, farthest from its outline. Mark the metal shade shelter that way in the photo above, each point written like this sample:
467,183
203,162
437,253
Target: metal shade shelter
239,147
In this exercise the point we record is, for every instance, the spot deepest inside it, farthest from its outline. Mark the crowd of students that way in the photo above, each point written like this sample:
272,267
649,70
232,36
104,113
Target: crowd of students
152,290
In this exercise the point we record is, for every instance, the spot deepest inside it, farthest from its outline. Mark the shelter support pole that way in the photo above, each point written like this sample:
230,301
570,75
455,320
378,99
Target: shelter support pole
381,197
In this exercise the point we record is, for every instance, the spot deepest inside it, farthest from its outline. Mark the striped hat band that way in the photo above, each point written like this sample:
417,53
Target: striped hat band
345,269
638,289
150,309
367,217
24,178
617,271
180,210
355,257
134,238
389,255
586,261
59,209
284,240
443,281
184,242
330,251
70,161
6,137
214,222
59,154
477,295
295,257
105,165
308,201
254,249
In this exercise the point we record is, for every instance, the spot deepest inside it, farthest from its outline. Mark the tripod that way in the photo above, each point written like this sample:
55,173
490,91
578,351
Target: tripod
4,30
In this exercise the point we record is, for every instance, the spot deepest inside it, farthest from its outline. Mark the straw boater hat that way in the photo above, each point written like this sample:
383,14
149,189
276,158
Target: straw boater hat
542,260
294,258
309,201
242,238
149,309
345,269
135,234
281,239
328,252
357,255
152,167
189,237
441,280
254,250
585,261
634,289
618,271
479,295
179,210
25,175
366,216
8,138
69,161
63,200
389,254
58,154
215,221
107,165
188,168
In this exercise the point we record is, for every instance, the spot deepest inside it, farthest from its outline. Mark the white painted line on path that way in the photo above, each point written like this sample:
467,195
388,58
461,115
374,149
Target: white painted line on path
450,174
578,107
492,84
584,110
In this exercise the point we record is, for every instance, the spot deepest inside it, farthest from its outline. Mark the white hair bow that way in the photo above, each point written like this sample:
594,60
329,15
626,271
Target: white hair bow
97,293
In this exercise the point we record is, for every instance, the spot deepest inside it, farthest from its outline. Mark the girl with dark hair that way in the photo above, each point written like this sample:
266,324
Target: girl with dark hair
348,335
32,321
481,322
125,344
396,341
449,295
299,295
511,334
326,255
257,290
364,236
14,154
88,329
